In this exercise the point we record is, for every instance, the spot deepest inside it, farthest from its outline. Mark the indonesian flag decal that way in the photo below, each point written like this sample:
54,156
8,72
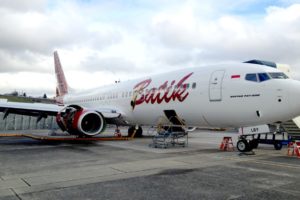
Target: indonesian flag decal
235,76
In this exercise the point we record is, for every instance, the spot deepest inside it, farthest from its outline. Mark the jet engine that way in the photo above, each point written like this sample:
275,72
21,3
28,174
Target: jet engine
77,120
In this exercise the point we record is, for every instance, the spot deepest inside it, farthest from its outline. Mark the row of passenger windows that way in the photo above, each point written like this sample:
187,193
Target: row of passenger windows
127,94
260,77
187,86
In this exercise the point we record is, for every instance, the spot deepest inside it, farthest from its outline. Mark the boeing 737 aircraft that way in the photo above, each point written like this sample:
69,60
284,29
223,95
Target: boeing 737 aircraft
229,95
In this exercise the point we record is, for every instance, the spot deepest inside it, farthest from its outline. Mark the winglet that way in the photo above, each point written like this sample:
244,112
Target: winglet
62,86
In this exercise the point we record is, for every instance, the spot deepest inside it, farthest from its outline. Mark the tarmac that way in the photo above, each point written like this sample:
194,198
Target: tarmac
33,169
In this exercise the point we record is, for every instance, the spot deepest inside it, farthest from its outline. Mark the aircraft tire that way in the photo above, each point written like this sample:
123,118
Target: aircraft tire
130,131
243,146
139,131
277,145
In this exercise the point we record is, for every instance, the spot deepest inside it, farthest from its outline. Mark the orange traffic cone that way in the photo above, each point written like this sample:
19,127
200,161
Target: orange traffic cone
294,149
290,150
118,133
227,144
297,149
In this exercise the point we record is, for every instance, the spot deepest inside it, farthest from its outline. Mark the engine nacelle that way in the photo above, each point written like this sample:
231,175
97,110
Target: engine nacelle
80,121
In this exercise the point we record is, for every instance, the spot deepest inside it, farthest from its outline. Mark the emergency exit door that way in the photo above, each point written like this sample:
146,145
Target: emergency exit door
215,85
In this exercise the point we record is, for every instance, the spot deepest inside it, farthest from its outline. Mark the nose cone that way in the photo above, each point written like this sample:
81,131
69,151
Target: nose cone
293,97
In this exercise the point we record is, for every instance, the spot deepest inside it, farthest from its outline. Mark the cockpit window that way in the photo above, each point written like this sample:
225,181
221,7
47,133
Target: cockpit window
251,77
263,77
260,77
278,75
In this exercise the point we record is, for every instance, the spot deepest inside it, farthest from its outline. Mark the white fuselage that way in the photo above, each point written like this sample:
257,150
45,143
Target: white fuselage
217,96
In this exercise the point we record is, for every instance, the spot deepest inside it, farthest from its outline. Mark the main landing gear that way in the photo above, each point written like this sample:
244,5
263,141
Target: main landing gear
135,131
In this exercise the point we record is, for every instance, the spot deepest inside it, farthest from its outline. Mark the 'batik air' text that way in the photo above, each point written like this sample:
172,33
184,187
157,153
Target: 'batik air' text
166,92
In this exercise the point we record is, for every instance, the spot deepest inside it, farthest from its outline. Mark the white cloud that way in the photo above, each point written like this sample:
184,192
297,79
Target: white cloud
105,39
232,37
21,5
39,83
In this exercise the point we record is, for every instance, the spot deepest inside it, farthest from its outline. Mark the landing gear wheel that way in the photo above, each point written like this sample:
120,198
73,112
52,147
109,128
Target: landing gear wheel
138,133
243,146
277,145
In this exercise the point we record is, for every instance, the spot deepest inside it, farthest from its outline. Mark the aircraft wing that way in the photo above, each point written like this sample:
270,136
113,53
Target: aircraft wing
30,109
44,110
68,117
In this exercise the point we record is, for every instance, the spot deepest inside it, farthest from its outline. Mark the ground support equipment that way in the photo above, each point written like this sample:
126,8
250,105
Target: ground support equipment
249,142
166,139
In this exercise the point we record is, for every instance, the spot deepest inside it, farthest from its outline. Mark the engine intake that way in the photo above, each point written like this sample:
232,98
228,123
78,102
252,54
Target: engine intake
79,121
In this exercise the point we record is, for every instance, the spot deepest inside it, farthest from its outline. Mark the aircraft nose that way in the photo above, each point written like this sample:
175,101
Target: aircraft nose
294,97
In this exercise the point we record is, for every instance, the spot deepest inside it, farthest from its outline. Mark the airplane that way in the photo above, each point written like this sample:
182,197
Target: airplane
224,95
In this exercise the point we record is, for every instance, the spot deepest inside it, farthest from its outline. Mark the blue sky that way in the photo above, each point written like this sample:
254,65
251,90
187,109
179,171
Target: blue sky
101,40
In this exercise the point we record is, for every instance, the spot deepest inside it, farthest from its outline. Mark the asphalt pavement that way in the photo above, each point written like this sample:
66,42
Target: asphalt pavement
32,169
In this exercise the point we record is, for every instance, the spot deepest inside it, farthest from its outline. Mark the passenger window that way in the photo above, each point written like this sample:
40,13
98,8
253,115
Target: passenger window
251,77
263,77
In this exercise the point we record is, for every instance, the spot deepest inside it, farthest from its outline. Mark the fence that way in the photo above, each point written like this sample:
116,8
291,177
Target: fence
22,122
